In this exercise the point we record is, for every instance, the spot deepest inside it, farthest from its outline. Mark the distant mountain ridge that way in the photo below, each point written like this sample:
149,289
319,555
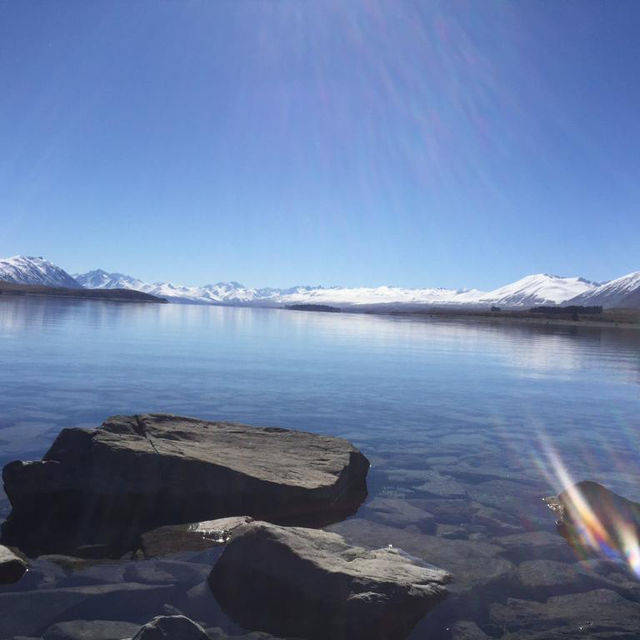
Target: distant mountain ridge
532,290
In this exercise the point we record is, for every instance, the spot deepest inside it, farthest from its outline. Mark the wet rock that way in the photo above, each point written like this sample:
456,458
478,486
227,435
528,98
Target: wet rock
12,567
473,564
495,521
451,532
90,630
466,630
194,536
400,513
165,572
33,612
541,579
171,628
595,614
448,511
99,489
306,582
608,518
536,544
442,486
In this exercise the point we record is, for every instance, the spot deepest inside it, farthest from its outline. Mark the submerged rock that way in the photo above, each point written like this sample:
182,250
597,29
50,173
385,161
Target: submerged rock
90,630
12,567
194,536
99,489
171,628
304,582
595,614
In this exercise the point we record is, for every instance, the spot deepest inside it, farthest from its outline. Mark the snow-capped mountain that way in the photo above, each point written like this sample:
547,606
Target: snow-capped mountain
621,293
29,270
100,279
533,290
536,290
541,289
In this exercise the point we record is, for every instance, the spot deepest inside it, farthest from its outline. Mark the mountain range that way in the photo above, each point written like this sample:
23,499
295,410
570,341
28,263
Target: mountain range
533,290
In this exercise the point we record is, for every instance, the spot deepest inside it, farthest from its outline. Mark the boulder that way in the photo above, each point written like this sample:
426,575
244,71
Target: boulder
96,490
12,567
171,628
295,581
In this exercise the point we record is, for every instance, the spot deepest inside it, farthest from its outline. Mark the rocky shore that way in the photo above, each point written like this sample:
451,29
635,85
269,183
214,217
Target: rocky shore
153,486
503,570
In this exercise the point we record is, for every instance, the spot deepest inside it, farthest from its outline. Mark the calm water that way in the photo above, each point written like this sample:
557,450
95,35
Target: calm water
457,418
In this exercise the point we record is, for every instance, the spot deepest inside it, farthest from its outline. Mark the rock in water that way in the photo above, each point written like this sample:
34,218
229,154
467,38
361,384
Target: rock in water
294,581
12,567
171,628
594,519
100,488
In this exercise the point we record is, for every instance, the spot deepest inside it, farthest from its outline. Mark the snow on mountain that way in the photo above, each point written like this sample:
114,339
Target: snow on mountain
536,290
530,291
30,270
622,293
533,290
100,279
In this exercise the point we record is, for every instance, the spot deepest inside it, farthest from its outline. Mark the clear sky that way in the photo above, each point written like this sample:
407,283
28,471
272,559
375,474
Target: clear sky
410,143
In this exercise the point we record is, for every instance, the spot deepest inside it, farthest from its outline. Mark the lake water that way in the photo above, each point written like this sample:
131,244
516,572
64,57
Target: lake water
460,420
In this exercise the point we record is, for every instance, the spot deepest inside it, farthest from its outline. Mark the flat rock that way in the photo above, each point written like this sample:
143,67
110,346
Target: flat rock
12,567
171,628
466,630
541,579
294,581
136,473
193,536
595,614
472,563
90,630
33,612
531,545
400,513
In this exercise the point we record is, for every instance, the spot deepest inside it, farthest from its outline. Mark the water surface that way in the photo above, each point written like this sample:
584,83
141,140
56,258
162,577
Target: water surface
459,418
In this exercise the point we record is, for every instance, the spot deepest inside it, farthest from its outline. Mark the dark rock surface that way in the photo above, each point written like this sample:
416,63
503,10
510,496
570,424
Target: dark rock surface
12,567
194,536
33,612
472,563
171,628
90,630
96,490
305,582
595,614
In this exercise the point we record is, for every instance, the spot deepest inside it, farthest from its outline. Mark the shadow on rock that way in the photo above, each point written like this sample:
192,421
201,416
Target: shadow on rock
97,490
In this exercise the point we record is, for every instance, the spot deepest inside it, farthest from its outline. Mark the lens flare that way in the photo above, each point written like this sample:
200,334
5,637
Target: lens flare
594,519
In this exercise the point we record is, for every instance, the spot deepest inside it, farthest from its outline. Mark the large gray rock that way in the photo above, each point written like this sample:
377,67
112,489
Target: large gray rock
12,567
171,628
294,581
96,490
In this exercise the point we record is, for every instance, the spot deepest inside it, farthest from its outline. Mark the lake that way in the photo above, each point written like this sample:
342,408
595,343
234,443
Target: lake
464,423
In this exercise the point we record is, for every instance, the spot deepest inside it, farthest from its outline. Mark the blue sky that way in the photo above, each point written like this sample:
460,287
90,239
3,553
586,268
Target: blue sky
358,143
